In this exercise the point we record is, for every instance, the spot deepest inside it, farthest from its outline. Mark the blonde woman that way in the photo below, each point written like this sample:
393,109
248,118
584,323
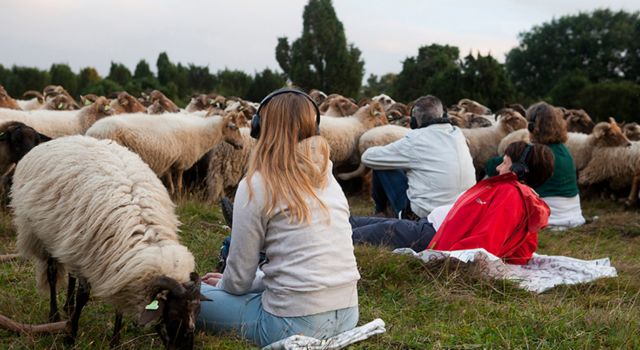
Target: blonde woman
289,206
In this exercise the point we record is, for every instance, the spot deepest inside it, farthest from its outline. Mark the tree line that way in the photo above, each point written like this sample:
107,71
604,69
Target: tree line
589,60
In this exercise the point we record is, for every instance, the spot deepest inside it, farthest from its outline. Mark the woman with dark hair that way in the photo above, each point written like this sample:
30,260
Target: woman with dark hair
501,214
548,127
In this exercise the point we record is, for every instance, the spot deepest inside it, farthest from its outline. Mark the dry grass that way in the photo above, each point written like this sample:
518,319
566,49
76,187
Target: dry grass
444,306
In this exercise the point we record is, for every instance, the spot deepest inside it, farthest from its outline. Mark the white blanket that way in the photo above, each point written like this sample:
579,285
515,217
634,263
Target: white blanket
300,342
542,273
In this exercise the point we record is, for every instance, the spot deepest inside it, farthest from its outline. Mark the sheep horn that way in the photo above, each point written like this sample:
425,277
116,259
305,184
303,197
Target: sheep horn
8,257
33,93
56,327
168,283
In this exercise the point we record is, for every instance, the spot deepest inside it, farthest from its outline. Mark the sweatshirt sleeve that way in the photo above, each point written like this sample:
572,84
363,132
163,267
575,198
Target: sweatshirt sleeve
247,239
396,155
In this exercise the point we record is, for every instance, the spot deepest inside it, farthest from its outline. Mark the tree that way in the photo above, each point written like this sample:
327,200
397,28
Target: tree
119,73
143,71
611,99
264,83
603,45
26,78
485,80
376,86
61,74
87,77
566,92
166,69
321,58
233,83
103,87
435,70
200,80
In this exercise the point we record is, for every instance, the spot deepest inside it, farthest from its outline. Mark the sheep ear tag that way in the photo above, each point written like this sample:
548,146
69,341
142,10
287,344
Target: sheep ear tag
152,312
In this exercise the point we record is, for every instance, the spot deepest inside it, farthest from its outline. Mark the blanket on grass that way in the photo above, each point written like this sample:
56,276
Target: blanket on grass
540,274
344,339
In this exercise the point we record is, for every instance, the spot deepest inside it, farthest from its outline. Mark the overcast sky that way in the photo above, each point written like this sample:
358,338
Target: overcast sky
242,34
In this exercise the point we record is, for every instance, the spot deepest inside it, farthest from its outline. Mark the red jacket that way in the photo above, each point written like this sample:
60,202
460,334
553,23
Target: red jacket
498,214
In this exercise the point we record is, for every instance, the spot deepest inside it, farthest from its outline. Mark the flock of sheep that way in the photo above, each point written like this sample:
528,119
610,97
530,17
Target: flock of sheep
95,206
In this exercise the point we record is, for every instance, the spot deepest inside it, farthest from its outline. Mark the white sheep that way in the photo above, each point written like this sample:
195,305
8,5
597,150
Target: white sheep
380,136
169,141
93,209
385,100
483,142
60,123
343,133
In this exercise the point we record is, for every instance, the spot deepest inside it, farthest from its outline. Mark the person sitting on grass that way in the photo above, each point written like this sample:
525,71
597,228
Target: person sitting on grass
560,192
502,214
290,207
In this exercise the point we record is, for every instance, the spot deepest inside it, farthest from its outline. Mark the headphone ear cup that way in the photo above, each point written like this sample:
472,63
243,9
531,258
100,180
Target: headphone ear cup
520,169
413,124
255,126
531,126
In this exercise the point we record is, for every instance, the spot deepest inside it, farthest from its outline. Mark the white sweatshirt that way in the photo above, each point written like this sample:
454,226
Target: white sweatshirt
311,269
438,164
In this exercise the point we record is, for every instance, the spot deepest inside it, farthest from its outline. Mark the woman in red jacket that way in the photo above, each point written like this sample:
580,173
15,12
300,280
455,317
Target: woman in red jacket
500,214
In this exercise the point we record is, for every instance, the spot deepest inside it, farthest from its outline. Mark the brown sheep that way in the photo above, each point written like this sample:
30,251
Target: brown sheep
474,107
7,101
160,104
632,131
317,96
578,121
125,103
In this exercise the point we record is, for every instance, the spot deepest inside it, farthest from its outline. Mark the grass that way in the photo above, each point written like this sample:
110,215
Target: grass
446,306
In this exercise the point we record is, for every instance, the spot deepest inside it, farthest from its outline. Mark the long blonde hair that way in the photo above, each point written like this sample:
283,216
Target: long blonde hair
293,164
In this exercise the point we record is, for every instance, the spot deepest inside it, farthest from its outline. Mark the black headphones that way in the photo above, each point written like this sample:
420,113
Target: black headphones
255,121
532,122
413,123
520,167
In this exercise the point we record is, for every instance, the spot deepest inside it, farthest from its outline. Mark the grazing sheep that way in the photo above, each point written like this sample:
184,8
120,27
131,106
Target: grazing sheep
125,103
7,101
204,102
93,209
343,133
578,121
51,91
227,166
632,131
60,123
472,106
170,141
483,142
581,146
380,136
338,106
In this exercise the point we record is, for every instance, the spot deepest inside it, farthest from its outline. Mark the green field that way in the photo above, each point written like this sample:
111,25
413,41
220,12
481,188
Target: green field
441,307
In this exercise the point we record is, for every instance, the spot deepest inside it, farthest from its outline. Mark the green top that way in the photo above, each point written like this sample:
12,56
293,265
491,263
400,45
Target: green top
563,181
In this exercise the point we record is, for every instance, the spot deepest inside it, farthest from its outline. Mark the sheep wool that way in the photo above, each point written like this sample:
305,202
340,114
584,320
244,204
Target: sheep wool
99,210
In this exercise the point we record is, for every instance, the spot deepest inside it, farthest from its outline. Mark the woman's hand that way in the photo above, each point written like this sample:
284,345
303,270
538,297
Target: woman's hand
212,278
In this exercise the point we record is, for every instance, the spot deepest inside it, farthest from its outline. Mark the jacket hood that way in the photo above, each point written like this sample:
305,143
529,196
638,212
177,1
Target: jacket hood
537,210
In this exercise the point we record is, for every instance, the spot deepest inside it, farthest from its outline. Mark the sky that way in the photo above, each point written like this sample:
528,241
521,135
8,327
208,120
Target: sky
242,34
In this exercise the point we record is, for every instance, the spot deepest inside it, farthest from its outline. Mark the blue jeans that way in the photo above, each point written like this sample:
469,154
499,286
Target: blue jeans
244,315
393,233
389,187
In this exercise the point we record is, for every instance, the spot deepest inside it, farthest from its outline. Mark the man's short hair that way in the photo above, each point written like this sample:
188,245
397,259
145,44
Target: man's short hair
426,109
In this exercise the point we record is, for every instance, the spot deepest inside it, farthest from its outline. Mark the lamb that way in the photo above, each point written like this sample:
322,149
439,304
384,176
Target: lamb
93,209
581,146
7,101
380,136
483,142
632,131
60,123
170,141
343,133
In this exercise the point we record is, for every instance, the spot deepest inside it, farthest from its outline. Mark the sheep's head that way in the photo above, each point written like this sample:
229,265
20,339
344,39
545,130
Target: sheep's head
317,96
340,107
125,103
510,120
60,103
198,103
632,131
34,94
609,135
231,132
478,121
101,108
7,101
239,119
52,90
473,106
88,99
155,108
518,108
372,115
16,139
385,100
175,306
578,121
165,103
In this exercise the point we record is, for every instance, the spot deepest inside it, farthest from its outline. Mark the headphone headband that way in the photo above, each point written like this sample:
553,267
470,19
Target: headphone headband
256,120
520,168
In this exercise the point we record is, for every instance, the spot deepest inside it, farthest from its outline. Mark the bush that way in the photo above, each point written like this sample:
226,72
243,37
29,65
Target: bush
612,99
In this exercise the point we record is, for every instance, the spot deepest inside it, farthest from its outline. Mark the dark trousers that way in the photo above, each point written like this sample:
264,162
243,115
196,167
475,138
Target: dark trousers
389,187
393,233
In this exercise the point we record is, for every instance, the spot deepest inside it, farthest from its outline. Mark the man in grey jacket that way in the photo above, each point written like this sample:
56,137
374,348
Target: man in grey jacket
427,168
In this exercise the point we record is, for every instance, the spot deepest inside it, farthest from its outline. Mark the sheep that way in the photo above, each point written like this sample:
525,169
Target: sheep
93,209
343,133
59,103
204,102
161,104
578,121
60,123
632,131
248,109
54,90
88,99
384,100
581,146
483,142
472,106
380,136
7,101
170,141
125,103
338,106
317,96
35,100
